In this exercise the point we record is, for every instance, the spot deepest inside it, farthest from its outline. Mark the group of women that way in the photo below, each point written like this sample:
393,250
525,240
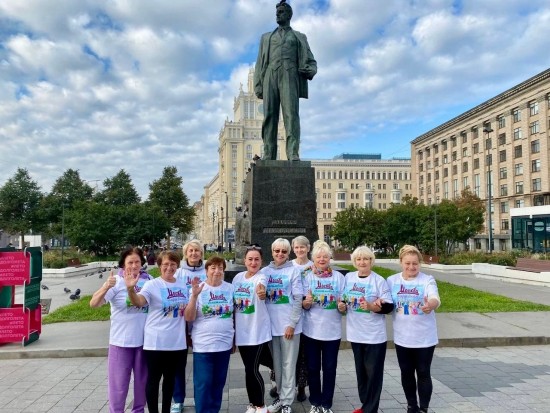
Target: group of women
286,316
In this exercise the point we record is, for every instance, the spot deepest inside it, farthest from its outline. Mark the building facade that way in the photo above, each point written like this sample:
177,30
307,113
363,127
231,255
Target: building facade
499,150
361,180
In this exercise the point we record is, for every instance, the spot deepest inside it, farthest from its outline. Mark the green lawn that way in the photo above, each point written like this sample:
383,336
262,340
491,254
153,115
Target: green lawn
454,299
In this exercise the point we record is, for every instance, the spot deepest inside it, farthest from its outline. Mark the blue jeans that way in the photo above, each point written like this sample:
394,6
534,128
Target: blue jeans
321,355
209,376
179,388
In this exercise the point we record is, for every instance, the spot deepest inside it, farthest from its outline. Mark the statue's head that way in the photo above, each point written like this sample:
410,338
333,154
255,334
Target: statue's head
283,12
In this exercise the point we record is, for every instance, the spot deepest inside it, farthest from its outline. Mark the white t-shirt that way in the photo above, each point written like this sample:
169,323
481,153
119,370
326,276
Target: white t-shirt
323,321
165,325
252,323
301,267
364,326
127,321
189,273
282,285
411,327
213,328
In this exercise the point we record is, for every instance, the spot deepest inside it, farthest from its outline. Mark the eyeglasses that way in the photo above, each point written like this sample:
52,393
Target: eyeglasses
254,247
280,251
171,265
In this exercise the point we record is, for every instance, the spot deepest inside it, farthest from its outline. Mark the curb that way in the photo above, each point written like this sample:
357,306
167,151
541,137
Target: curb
473,342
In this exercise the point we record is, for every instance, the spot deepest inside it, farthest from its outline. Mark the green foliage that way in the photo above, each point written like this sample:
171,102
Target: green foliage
118,190
52,257
167,195
154,272
358,226
78,310
467,257
20,205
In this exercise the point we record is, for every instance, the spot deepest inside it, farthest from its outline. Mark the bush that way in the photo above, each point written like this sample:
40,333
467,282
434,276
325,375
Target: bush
52,258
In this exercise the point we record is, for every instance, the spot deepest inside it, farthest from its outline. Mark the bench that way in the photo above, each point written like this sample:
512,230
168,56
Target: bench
531,265
74,262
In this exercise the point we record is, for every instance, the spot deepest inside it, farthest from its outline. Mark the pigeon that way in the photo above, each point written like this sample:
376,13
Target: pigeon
44,287
74,297
100,275
77,291
66,290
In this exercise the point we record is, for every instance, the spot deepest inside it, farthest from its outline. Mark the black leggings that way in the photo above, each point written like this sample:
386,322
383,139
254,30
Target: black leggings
162,364
252,357
411,361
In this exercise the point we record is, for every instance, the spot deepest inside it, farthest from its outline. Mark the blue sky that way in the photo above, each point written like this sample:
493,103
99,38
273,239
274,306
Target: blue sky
103,85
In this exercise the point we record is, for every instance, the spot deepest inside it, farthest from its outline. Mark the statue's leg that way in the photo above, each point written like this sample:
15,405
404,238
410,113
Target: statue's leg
291,112
272,102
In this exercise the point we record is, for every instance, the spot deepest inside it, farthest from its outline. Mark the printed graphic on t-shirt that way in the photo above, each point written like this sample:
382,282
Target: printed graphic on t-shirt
174,300
408,298
355,294
244,297
277,285
217,304
325,293
130,308
189,278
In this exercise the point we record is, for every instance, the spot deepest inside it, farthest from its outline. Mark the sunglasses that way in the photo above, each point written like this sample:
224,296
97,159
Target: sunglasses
280,251
254,248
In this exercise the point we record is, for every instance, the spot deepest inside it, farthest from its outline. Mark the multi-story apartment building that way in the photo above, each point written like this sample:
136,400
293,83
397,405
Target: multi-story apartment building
499,150
361,180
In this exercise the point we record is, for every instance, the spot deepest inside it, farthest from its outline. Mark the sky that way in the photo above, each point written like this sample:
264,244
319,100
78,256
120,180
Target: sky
104,85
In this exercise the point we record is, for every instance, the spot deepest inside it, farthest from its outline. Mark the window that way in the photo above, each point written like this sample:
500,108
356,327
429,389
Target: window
477,184
476,148
518,169
502,139
518,151
464,152
535,165
429,165
475,133
464,137
504,190
502,156
419,154
455,188
341,196
436,175
464,166
233,151
501,121
445,172
503,173
340,185
516,114
534,127
488,143
429,178
517,134
519,187
535,146
421,167
465,182
489,159
453,140
421,179
436,162
436,149
520,203
453,156
537,185
341,204
444,144
504,207
476,163
533,108
504,225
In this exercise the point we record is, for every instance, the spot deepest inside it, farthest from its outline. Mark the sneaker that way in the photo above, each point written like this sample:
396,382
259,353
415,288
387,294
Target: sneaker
261,409
286,409
315,409
176,408
275,406
250,409
326,410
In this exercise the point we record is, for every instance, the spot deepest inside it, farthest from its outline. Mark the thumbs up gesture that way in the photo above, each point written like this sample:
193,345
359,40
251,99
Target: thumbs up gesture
426,307
308,301
342,307
111,281
260,291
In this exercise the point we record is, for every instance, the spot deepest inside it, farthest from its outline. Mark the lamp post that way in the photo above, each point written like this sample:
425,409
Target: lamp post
62,230
226,217
222,226
213,228
435,223
487,130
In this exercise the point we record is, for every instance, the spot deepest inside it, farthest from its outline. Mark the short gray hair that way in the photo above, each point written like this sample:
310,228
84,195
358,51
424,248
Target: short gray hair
301,240
195,243
320,247
360,252
281,242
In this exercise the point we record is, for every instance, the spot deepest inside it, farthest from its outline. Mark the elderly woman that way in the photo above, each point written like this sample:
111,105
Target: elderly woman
322,326
301,247
284,298
367,298
416,298
126,333
252,326
164,342
211,310
191,267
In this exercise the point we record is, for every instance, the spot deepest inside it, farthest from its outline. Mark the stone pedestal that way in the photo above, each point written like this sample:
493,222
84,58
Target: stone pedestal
278,202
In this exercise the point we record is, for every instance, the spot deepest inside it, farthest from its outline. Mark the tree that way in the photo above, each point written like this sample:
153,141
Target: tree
404,222
20,201
358,226
119,190
167,194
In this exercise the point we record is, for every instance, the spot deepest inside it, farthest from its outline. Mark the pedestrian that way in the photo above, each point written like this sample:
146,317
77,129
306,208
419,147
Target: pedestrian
322,326
252,326
367,297
164,343
284,300
416,298
126,333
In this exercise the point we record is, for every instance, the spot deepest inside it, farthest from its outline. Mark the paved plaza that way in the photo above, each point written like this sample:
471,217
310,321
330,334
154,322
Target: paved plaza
493,379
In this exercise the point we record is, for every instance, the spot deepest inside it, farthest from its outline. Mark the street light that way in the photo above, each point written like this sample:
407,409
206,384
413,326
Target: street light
487,130
213,227
226,217
435,223
62,230
222,225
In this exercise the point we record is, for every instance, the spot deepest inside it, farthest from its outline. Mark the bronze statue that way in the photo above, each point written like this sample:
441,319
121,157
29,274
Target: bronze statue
284,65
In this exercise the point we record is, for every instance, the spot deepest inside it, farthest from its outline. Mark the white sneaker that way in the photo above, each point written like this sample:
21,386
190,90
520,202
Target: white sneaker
176,408
261,409
315,409
286,409
325,410
275,406
250,409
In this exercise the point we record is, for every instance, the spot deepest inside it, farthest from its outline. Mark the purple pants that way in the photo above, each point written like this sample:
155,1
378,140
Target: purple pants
122,360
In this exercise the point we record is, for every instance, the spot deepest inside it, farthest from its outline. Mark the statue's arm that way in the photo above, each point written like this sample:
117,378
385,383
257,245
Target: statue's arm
259,71
310,68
